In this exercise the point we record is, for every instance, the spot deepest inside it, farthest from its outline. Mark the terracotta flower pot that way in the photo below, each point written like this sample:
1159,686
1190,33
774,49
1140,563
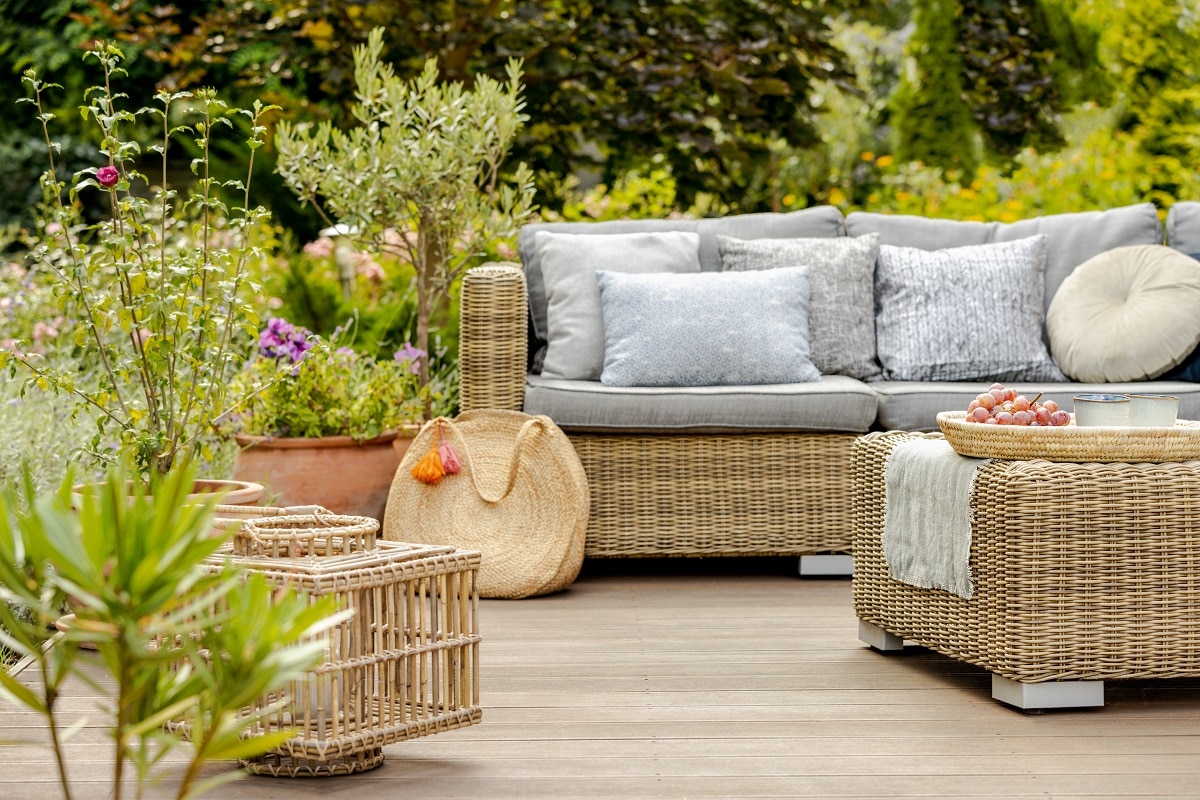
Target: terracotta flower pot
237,492
336,472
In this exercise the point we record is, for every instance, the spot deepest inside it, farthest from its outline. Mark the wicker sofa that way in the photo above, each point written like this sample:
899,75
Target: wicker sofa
752,470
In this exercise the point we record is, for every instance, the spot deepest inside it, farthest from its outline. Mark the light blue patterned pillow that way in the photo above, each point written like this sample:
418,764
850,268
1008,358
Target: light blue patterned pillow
706,329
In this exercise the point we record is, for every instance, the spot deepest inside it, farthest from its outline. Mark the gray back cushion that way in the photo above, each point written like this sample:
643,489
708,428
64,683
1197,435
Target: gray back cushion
1183,227
1071,239
819,221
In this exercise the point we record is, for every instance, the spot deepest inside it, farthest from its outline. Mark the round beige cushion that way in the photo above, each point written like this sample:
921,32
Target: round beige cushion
521,500
1128,314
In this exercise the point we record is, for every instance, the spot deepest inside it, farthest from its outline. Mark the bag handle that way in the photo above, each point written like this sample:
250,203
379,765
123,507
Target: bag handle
523,436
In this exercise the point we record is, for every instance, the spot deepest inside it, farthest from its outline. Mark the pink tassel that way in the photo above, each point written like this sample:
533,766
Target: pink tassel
451,463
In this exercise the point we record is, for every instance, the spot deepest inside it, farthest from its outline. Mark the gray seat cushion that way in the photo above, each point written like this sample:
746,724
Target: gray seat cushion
1071,239
914,405
819,221
835,403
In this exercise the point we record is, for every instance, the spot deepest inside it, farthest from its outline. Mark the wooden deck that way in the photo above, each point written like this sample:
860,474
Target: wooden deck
722,680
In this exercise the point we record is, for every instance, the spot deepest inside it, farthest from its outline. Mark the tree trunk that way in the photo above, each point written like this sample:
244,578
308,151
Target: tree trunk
429,260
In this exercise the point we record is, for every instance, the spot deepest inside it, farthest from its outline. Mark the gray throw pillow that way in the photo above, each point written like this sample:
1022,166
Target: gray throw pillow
965,313
841,314
575,343
708,329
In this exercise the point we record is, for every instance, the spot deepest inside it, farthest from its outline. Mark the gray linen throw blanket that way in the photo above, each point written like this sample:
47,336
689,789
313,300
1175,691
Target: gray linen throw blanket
927,517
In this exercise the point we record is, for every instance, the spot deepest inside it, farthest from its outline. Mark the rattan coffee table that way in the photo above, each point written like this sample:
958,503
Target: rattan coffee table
1083,572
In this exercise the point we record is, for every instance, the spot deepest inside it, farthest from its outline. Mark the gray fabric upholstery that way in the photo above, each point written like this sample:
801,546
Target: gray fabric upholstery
708,329
1183,227
841,313
1071,238
570,262
914,405
963,313
811,222
835,403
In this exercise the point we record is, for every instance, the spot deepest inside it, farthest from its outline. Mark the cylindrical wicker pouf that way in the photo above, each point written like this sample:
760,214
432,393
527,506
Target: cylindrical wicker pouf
404,665
521,499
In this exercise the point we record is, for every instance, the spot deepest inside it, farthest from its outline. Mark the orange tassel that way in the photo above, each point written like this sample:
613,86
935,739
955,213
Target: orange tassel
429,469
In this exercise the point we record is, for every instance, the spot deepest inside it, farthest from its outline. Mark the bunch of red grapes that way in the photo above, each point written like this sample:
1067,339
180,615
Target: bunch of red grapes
1001,406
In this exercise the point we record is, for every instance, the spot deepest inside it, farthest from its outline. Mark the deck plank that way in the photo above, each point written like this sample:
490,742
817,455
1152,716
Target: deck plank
717,679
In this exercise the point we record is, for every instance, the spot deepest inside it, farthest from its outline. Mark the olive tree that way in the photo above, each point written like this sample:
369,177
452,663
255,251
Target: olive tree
419,175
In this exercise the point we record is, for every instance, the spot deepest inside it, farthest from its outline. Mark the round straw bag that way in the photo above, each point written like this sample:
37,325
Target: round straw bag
521,499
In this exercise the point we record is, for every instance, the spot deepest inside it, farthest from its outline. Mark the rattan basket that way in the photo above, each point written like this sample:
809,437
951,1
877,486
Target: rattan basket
404,665
1070,442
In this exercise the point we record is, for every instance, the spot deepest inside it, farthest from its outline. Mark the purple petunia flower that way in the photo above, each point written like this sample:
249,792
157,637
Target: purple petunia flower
410,355
281,339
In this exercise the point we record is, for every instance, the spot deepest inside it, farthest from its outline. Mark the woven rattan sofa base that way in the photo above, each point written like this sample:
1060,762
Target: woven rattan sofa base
1082,572
674,494
783,494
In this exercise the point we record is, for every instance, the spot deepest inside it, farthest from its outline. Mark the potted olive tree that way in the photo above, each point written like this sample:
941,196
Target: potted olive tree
420,176
158,290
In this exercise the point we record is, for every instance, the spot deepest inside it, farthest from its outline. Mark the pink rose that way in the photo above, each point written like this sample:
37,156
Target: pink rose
107,176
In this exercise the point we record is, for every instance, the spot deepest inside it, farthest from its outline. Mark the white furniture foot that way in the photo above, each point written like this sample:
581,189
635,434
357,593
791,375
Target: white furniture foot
878,638
1051,694
827,566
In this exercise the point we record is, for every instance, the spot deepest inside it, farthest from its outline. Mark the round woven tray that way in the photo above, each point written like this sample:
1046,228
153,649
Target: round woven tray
1070,442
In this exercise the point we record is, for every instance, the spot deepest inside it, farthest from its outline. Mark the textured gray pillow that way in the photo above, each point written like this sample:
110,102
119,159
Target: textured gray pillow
575,346
841,314
708,329
966,313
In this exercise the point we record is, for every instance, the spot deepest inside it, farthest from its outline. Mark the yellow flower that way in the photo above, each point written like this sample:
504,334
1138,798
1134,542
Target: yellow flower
884,161
868,156
967,194
836,196
1008,216
788,199
903,197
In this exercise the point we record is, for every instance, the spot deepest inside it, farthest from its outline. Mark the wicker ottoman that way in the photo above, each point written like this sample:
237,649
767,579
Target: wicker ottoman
406,664
1082,573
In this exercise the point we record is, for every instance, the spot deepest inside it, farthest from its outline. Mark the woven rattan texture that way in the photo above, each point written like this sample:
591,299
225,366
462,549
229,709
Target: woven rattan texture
675,494
1082,571
406,664
493,342
717,495
1071,443
521,499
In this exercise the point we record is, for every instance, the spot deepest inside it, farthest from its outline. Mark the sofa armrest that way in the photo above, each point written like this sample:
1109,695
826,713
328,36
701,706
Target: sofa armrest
493,345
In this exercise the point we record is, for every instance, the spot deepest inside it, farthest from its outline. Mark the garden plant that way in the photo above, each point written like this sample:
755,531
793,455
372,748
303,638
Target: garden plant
159,290
420,176
179,641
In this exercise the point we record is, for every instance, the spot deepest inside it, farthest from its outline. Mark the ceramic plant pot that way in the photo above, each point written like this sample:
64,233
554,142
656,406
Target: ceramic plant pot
336,472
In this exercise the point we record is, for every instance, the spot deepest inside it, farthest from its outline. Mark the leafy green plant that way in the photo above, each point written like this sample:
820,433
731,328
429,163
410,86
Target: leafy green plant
158,289
180,641
932,121
419,177
328,389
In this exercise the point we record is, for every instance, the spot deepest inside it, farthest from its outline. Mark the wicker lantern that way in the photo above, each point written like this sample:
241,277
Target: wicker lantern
404,665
